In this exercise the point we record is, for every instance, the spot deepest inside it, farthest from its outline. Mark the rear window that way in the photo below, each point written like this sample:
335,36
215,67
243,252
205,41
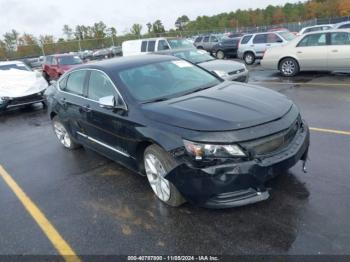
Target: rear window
198,39
288,36
246,39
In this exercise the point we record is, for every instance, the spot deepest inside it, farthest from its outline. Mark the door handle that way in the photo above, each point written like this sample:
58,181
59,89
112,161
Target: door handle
85,108
268,44
335,51
299,52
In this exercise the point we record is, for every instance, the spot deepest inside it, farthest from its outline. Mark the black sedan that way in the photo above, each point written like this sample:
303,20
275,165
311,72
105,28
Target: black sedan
194,136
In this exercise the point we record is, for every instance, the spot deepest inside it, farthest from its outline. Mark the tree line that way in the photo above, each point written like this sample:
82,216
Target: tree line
99,35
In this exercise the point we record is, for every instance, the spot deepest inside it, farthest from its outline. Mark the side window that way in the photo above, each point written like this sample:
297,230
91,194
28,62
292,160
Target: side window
48,60
246,39
75,82
273,38
151,46
143,46
99,86
206,39
163,45
198,39
313,40
213,39
260,39
340,38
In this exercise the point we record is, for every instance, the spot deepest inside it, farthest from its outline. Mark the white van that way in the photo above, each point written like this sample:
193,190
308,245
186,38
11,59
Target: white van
144,46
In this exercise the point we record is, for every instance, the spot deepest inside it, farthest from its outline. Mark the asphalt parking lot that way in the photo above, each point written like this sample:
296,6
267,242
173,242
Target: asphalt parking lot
99,207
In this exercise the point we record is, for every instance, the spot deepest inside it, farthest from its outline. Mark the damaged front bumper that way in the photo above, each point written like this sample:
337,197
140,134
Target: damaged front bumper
237,184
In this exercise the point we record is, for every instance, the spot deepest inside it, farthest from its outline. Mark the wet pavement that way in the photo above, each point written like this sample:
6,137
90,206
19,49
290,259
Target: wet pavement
100,207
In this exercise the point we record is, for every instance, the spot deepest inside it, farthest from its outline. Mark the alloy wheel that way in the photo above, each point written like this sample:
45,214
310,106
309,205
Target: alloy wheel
288,67
155,173
62,134
220,55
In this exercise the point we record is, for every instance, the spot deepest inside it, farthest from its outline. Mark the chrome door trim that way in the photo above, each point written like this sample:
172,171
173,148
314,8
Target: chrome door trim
103,144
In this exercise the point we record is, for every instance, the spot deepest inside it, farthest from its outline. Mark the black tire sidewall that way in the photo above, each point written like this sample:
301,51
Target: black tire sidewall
253,58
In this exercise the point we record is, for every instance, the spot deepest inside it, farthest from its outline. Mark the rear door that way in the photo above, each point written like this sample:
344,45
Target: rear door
312,52
259,44
339,51
71,100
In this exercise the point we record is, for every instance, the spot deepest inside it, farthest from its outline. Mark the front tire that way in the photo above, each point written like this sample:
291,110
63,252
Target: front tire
289,67
220,54
249,58
62,134
158,163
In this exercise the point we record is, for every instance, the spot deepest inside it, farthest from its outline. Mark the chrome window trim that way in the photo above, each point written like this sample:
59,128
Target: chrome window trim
88,69
103,144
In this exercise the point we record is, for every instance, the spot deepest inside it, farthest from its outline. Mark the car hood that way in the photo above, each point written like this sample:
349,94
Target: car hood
228,106
222,65
19,83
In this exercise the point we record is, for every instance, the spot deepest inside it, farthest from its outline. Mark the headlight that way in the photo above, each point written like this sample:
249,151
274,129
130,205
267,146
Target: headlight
220,73
200,151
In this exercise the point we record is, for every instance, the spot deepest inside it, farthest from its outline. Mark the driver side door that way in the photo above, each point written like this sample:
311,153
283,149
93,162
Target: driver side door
106,127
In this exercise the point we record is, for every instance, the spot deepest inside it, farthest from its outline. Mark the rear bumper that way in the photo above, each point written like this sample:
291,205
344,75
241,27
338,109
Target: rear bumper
237,184
22,101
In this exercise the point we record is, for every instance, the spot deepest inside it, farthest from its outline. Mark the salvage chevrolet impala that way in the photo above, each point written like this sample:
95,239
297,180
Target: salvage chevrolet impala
195,137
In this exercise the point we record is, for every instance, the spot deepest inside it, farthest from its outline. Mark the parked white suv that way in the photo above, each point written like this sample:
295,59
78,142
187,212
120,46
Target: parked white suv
253,46
144,46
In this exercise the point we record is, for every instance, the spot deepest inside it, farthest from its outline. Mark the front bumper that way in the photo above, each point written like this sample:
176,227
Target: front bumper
239,183
22,101
240,77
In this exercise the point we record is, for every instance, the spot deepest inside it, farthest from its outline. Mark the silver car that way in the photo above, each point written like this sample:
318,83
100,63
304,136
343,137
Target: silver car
226,69
207,42
253,46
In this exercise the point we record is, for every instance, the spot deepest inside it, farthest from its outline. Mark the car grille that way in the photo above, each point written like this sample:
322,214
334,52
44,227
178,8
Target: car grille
273,143
236,71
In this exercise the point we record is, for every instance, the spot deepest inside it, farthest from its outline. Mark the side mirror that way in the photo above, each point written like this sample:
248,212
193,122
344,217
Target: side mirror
107,102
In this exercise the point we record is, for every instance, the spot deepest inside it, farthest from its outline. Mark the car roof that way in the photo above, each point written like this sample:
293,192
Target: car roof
347,30
120,63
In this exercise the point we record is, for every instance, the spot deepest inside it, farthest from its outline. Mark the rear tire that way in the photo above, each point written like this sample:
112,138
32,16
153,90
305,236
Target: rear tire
62,134
158,163
289,67
220,54
249,58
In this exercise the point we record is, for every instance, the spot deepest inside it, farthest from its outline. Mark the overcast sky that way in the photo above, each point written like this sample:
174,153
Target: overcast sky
48,16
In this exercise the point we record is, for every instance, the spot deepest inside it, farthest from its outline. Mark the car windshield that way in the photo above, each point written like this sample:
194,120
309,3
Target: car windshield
15,66
288,36
164,80
179,43
194,56
69,60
